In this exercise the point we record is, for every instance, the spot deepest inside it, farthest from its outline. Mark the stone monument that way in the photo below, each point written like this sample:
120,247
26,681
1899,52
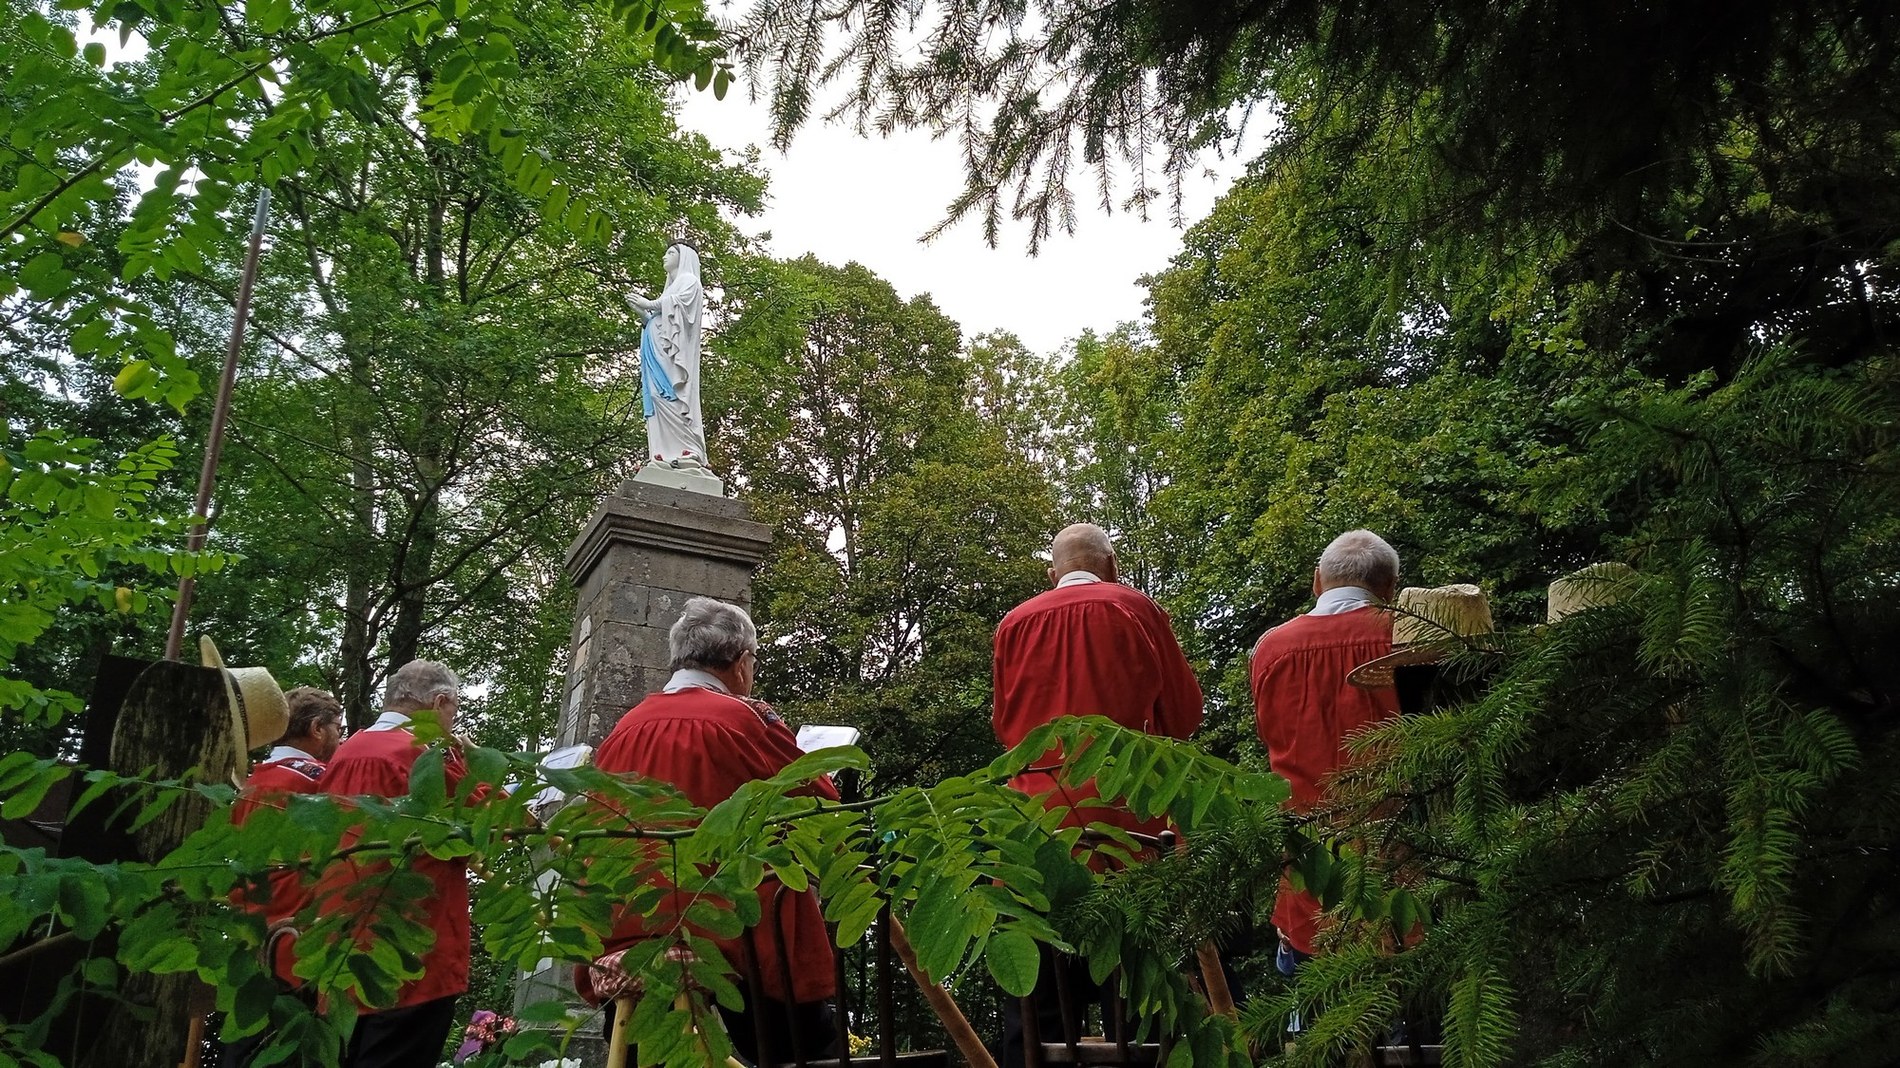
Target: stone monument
646,550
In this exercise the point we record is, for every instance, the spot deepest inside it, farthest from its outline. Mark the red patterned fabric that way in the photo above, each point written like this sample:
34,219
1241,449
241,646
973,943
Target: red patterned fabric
377,763
269,784
1093,648
708,744
1304,710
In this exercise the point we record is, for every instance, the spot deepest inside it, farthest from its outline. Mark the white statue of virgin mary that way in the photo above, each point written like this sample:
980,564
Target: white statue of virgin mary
669,363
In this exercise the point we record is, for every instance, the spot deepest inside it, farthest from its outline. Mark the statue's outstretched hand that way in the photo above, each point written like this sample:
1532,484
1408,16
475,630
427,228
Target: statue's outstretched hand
639,303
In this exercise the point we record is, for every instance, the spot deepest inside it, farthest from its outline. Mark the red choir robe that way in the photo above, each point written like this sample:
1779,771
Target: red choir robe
708,744
1090,648
269,784
1304,710
376,763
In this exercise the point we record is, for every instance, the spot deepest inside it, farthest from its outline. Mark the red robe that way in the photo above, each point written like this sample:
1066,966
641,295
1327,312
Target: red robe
269,784
377,763
1305,709
708,744
1092,648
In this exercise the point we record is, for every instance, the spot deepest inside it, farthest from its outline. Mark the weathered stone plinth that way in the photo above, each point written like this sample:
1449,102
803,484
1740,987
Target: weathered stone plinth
645,551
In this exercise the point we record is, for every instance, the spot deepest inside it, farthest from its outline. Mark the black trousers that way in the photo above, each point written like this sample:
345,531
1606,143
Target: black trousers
1052,1024
410,1037
812,1025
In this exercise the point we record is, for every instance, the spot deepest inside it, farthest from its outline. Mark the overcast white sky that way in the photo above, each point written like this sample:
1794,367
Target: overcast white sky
842,198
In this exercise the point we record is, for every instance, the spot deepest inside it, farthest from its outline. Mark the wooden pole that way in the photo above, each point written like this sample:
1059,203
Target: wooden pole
1213,976
954,1022
194,1042
617,1038
220,415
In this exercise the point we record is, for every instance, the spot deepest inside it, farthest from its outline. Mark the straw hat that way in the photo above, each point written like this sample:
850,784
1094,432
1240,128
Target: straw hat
1427,626
259,713
1588,587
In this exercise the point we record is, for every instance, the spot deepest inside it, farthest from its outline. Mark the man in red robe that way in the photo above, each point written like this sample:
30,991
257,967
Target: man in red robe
705,734
295,762
1090,646
1304,708
376,762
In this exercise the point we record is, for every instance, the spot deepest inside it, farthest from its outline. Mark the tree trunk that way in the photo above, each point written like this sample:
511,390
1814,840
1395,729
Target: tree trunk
412,581
359,637
176,719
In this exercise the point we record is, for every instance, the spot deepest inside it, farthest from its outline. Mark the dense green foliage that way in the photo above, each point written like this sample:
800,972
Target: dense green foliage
1587,322
907,525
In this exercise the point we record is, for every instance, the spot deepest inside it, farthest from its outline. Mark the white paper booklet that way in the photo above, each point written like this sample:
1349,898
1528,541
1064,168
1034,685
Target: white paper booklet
812,737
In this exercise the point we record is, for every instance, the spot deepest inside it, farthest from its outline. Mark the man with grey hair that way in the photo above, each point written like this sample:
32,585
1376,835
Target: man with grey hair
376,762
1304,709
706,735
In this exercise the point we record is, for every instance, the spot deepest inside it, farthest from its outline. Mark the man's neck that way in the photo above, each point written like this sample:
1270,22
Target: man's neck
696,678
306,748
1339,599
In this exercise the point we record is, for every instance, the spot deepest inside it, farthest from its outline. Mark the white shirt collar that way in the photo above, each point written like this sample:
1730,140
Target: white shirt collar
285,752
1077,578
1342,599
389,721
688,678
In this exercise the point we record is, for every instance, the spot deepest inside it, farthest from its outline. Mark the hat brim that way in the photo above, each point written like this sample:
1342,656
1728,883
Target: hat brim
233,702
1377,674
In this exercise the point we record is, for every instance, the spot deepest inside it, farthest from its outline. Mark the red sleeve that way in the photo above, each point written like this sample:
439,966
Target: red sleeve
1008,715
455,769
1178,707
782,745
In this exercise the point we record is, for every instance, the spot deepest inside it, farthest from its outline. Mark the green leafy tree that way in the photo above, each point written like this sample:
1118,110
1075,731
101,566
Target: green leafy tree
857,424
444,390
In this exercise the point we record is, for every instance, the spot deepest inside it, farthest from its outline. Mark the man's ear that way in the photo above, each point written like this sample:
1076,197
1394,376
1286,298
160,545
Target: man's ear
1051,572
1114,570
1317,588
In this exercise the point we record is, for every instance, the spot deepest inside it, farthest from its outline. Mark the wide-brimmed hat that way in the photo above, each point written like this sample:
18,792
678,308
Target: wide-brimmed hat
1588,587
259,713
1429,624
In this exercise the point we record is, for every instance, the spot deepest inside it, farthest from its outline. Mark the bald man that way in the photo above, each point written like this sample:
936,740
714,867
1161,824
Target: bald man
1090,646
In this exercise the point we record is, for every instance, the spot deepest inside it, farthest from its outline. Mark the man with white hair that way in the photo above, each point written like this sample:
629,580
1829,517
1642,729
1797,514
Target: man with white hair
705,734
1089,647
1304,709
376,762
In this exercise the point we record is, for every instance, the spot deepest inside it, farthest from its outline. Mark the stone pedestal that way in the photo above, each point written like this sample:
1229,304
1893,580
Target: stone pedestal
648,548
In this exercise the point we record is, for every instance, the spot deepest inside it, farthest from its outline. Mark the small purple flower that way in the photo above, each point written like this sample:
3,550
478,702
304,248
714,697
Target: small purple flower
485,1029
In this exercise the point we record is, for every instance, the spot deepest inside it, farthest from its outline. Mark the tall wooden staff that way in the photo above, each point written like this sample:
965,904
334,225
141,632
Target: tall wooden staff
207,481
220,414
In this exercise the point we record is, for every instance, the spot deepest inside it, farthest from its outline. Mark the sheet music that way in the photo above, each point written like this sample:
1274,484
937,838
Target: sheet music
812,737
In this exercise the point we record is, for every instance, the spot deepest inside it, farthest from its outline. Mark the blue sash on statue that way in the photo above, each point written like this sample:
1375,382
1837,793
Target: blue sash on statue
653,377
